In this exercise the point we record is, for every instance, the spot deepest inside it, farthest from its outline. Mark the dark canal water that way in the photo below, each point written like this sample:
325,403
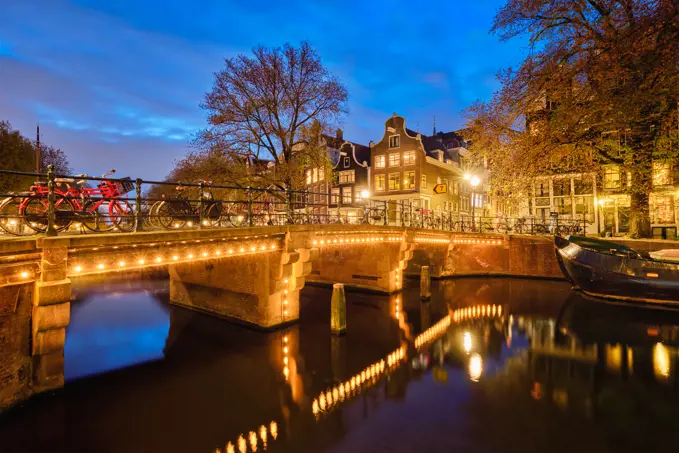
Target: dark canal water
488,365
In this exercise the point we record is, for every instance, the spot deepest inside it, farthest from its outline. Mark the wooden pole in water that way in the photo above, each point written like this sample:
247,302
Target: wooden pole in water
425,283
338,310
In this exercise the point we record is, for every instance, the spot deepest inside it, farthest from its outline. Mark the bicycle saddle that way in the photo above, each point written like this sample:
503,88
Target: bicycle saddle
66,180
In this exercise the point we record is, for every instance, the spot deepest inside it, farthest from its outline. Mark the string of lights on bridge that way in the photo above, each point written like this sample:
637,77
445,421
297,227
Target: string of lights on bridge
478,241
253,440
356,240
368,377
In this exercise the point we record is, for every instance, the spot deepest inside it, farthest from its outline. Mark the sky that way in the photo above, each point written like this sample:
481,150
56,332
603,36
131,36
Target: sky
118,83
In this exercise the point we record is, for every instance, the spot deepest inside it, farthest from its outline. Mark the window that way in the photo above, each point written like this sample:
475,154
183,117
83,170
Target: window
346,195
409,158
423,182
561,187
314,178
347,162
456,188
394,181
347,177
409,180
445,183
379,161
542,189
308,177
585,206
334,195
563,205
380,185
662,209
661,173
321,174
394,141
583,186
611,177
394,159
358,193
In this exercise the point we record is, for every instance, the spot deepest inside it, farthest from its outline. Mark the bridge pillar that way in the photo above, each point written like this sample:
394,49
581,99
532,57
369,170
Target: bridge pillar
51,315
261,289
368,260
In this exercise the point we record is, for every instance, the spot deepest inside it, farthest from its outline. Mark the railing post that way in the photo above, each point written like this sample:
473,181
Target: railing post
249,194
288,206
386,212
51,215
138,221
201,205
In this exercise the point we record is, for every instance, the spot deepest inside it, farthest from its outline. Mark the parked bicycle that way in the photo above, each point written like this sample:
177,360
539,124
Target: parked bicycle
180,211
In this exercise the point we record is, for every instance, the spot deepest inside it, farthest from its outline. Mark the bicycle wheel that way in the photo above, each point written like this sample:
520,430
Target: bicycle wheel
98,216
540,229
165,216
502,228
35,213
213,215
11,220
376,216
122,215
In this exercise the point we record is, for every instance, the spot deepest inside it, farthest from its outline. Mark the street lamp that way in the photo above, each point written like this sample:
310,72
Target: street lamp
365,194
474,181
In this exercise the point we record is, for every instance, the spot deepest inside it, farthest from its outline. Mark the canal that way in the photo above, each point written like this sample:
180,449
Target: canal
488,365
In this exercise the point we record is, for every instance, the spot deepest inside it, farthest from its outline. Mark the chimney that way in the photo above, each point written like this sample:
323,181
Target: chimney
339,136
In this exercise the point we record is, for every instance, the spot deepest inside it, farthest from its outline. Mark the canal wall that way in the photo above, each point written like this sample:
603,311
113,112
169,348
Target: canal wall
510,256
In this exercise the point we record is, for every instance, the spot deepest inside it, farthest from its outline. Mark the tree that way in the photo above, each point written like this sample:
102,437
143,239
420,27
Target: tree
272,106
594,67
17,153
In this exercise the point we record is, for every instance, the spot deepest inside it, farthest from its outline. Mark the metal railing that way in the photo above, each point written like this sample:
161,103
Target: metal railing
60,204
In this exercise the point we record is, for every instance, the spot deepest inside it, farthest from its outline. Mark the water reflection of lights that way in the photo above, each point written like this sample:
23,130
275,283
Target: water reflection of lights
351,387
467,342
477,311
242,444
433,332
475,367
661,362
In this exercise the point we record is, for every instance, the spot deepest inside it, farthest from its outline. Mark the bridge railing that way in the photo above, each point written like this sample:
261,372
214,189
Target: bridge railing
70,204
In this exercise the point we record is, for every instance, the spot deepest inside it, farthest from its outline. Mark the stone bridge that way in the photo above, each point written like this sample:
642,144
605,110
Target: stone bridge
248,275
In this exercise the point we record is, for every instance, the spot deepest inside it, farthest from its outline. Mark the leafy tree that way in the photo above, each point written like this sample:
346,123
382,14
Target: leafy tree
17,154
594,67
54,156
273,106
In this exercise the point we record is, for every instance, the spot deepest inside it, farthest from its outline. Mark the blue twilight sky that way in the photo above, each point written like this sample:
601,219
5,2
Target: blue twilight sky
117,83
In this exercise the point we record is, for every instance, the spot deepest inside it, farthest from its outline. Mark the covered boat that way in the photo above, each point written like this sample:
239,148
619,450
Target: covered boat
606,269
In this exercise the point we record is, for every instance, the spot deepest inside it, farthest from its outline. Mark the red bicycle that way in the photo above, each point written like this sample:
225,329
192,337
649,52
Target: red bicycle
96,208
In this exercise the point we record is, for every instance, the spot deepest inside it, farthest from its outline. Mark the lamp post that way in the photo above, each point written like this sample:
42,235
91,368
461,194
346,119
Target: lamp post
474,181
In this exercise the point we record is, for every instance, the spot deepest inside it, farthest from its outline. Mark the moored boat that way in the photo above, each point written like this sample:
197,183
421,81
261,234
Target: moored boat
606,269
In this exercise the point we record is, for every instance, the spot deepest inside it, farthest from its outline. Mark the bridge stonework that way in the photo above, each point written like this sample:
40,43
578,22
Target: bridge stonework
251,275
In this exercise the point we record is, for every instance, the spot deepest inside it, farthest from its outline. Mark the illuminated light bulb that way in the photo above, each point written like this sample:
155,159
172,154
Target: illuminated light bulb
363,376
314,407
341,241
241,250
286,371
341,391
190,255
230,251
176,225
322,242
262,434
274,430
204,253
285,339
285,312
353,382
252,249
321,401
253,441
121,264
78,268
24,274
347,387
230,448
273,246
242,445
101,266
328,397
499,310
285,349
334,241
285,281
285,360
218,252
285,301
204,222
189,223
141,261
175,257
335,394
263,247
159,259
315,242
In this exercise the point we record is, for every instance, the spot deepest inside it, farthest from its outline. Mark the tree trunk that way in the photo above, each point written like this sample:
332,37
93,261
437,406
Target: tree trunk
641,168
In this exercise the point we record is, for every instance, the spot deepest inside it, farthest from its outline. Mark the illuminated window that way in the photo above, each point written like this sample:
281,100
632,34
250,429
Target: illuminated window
358,193
321,174
314,177
394,159
409,180
409,158
308,176
394,141
334,195
394,181
611,177
346,195
380,185
423,182
379,161
662,209
346,177
661,173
